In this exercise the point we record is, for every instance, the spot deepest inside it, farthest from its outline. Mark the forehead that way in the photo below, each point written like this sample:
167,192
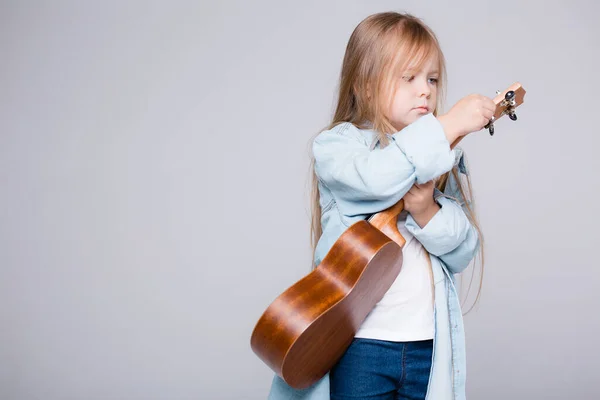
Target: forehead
426,61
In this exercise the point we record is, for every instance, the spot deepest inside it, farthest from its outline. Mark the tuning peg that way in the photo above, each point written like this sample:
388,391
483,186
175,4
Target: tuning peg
490,126
509,102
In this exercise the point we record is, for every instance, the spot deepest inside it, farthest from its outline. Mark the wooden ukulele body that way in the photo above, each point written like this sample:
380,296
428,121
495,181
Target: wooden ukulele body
313,322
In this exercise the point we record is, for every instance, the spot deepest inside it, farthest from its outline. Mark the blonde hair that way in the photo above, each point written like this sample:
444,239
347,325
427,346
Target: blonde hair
375,55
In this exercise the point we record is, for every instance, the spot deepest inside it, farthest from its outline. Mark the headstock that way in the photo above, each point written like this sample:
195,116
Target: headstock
506,103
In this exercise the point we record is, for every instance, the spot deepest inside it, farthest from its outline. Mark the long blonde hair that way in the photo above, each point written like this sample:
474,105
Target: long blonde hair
375,53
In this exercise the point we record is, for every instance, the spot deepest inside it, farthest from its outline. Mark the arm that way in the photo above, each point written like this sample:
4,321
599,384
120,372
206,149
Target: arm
449,235
364,181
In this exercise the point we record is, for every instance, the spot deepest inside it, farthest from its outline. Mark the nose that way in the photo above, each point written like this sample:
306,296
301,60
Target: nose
424,89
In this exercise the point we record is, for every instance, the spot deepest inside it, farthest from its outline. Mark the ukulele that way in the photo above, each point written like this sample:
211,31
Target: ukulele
307,328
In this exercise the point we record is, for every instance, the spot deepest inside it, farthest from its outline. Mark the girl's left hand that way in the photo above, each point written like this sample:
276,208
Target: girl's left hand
419,199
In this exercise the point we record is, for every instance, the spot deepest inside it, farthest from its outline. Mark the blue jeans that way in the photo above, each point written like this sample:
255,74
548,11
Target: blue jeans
377,370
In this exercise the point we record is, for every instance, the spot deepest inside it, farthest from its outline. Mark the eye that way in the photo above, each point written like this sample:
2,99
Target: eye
433,81
408,78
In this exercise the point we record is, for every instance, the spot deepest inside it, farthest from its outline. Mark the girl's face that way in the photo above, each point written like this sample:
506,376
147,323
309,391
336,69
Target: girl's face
415,94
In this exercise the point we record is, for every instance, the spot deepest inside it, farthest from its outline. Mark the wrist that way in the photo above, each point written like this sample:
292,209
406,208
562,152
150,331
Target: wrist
424,216
450,129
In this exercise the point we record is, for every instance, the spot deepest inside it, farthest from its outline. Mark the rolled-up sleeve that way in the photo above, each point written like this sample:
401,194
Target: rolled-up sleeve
449,235
365,181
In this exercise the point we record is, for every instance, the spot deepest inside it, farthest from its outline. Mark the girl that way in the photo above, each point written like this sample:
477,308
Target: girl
387,142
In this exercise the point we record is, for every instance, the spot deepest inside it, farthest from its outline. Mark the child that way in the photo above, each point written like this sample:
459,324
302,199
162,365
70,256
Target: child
387,142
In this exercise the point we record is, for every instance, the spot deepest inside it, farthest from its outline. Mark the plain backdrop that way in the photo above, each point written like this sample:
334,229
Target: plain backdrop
154,189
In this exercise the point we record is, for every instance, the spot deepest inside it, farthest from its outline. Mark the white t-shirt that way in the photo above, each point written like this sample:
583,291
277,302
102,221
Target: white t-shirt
405,313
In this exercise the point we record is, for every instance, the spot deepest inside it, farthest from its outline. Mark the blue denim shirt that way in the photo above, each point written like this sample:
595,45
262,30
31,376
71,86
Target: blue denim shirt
358,178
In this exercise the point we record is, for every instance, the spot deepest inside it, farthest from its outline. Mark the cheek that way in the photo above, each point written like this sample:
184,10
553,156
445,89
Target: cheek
401,101
394,105
433,97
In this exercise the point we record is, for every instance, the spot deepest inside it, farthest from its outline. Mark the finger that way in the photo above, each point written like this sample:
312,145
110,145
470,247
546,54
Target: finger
484,122
488,114
489,104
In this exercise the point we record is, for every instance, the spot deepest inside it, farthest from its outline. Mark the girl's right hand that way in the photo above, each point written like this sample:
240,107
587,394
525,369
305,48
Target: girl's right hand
469,114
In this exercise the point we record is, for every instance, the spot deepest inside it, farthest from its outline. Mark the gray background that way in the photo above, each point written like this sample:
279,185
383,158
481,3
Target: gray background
153,189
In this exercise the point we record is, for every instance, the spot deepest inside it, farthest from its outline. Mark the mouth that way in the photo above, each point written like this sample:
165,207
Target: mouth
422,109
